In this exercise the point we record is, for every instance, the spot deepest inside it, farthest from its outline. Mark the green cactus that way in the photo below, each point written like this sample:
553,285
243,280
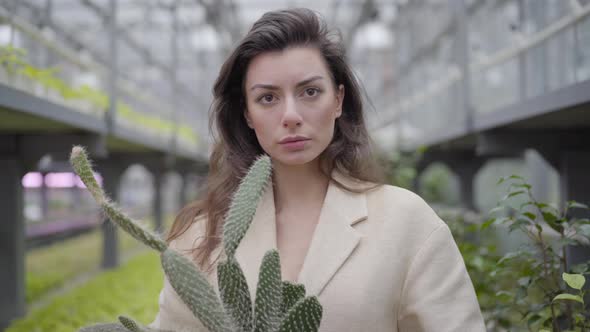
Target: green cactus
130,324
234,293
133,326
244,204
279,306
105,327
305,316
267,308
291,294
194,289
81,166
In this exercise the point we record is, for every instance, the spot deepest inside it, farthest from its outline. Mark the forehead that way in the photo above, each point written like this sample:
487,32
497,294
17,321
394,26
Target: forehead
288,66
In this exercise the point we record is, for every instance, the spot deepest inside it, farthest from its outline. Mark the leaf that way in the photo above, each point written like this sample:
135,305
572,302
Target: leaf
530,215
487,223
509,256
512,194
516,177
522,185
574,205
519,223
581,221
584,230
575,281
497,209
504,296
566,241
549,217
581,268
569,297
553,221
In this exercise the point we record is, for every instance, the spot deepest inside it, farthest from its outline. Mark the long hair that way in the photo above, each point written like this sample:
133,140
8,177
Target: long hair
235,144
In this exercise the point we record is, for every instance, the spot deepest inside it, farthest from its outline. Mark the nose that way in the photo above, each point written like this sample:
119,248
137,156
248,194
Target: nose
291,117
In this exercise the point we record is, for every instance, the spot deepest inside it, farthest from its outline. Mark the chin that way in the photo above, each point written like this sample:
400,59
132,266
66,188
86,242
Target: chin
295,159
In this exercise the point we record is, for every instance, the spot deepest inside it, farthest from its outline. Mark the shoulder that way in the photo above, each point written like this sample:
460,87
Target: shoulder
187,241
402,209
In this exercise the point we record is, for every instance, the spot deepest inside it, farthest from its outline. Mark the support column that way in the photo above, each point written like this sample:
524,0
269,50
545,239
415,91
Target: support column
462,55
12,241
111,175
182,197
158,204
466,172
575,186
44,197
464,163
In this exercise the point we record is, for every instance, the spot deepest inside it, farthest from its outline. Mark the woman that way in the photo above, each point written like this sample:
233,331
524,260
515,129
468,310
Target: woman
377,256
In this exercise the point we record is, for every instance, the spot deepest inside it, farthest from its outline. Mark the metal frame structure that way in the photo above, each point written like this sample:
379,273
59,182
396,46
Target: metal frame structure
139,51
156,56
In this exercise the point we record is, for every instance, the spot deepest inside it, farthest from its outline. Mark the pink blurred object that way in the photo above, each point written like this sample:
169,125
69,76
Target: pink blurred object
55,180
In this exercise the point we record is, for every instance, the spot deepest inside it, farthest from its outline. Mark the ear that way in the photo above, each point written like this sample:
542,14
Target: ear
339,100
247,117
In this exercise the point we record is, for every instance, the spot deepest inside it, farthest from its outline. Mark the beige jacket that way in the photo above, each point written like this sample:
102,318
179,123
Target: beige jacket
379,261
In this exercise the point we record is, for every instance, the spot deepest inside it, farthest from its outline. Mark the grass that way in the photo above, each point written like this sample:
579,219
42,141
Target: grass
48,268
130,290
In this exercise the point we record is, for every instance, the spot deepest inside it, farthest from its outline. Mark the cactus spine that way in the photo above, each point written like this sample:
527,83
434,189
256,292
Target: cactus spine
278,307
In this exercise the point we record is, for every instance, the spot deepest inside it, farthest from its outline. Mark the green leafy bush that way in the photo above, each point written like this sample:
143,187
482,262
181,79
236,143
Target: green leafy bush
479,251
529,280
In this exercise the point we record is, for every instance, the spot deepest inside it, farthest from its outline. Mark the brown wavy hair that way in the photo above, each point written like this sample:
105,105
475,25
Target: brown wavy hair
236,145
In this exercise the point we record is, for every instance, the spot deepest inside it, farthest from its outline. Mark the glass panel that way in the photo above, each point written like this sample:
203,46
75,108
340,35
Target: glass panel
541,13
495,87
536,71
583,59
561,62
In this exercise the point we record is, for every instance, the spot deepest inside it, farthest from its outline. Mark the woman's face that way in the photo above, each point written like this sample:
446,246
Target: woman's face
290,94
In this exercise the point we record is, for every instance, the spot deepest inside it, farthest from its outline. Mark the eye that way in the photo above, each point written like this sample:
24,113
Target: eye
266,99
311,92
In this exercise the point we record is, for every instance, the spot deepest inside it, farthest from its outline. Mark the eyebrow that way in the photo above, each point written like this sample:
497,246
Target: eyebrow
274,87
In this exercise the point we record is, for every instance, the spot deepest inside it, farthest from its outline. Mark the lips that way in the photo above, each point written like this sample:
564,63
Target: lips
293,139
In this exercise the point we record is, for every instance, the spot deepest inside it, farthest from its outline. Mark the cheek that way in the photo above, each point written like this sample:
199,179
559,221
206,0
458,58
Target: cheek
327,115
264,125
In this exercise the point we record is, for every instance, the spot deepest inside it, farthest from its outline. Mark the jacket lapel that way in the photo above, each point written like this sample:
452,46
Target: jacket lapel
334,238
333,241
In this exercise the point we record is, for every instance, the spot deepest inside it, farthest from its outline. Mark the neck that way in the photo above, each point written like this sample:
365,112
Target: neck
298,186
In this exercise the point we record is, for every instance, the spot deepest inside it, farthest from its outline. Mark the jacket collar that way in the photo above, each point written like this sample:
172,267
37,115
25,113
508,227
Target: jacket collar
333,241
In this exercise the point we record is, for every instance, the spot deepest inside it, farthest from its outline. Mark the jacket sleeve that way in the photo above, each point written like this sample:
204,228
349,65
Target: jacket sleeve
173,314
437,294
